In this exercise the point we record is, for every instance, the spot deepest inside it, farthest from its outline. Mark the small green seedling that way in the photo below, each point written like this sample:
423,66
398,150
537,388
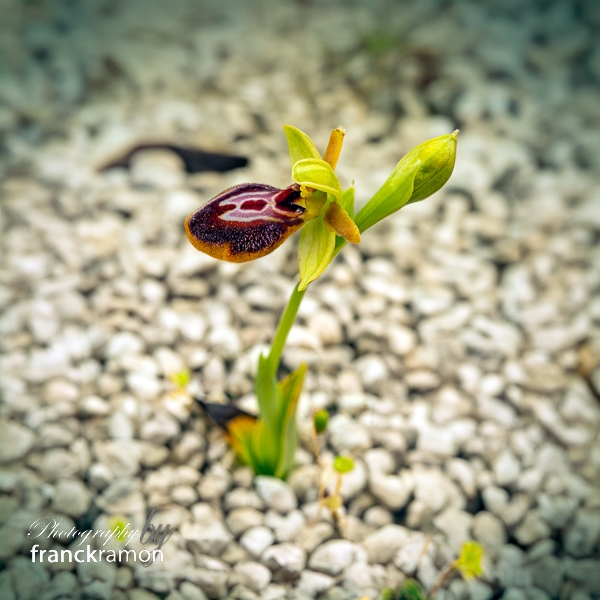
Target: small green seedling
379,43
180,379
409,590
250,220
334,501
468,564
118,525
343,464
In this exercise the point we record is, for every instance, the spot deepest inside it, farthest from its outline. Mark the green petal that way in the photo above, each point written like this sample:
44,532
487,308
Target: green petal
317,174
315,250
299,145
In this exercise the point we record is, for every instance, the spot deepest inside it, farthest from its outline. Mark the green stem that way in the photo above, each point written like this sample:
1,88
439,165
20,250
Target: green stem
285,324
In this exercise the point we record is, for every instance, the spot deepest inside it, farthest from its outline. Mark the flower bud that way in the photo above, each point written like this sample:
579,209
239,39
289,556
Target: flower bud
423,171
320,420
437,158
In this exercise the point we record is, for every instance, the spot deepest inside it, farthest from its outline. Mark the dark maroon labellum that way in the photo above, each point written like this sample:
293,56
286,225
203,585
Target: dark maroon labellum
246,221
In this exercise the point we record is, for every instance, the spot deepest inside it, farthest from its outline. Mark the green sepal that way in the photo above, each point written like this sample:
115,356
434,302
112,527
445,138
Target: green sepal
391,196
315,250
289,395
348,201
317,174
348,206
299,145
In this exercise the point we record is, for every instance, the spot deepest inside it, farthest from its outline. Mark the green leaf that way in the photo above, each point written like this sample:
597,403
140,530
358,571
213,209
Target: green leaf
289,395
265,387
315,251
239,433
299,145
391,196
317,174
262,449
469,561
343,464
386,594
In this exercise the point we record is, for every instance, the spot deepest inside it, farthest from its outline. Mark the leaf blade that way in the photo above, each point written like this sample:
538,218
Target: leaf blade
265,387
289,394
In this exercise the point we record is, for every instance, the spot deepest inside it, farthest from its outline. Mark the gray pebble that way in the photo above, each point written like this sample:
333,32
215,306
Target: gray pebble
241,519
489,531
286,561
277,494
71,497
97,578
189,591
253,575
15,441
333,557
583,534
382,545
208,537
257,539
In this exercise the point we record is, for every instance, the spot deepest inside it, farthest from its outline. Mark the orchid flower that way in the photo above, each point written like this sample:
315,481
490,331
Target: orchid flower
251,220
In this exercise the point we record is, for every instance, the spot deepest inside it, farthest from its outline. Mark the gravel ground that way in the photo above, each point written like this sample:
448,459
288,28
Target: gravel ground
458,347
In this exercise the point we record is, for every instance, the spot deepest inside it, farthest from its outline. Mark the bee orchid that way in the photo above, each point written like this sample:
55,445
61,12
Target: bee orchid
250,220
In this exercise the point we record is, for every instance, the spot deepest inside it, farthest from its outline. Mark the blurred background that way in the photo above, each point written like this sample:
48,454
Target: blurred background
458,345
